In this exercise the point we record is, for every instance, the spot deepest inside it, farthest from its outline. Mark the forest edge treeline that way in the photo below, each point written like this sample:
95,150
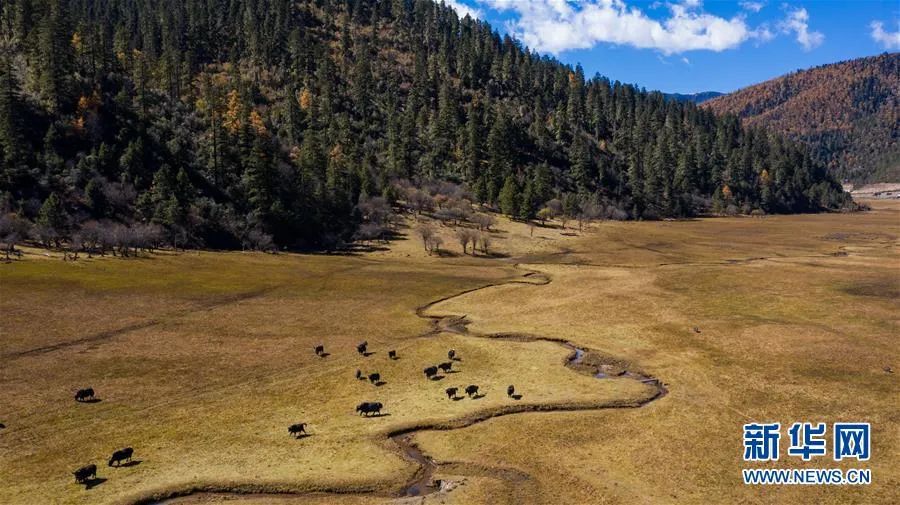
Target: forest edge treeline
295,124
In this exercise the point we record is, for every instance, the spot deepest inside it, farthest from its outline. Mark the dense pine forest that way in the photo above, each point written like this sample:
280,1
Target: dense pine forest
848,113
285,123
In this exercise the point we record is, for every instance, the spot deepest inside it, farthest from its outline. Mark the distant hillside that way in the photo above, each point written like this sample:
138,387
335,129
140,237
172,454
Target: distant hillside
694,97
846,112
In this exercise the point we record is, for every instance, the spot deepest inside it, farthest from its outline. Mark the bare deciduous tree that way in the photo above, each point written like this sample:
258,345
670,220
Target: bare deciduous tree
483,221
426,232
418,200
13,229
484,239
89,237
258,240
590,210
370,231
433,244
464,236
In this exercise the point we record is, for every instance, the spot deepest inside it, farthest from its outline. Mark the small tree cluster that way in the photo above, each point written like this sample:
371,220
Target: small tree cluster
431,240
377,217
13,230
472,239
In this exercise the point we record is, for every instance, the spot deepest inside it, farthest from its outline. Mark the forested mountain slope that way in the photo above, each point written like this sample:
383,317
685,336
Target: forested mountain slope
848,114
217,121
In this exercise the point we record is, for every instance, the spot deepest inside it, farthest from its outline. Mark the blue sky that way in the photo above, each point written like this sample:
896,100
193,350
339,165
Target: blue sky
687,46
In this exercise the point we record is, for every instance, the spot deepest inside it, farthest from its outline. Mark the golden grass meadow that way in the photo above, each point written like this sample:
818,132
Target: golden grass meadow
201,360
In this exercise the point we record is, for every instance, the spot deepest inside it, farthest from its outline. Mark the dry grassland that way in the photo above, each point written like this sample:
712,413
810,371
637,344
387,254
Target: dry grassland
203,360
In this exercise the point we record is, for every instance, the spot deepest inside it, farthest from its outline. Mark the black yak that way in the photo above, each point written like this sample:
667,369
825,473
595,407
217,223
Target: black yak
374,378
430,372
446,366
320,350
392,354
297,429
84,394
85,472
451,392
451,354
367,408
121,455
511,390
471,390
361,348
359,374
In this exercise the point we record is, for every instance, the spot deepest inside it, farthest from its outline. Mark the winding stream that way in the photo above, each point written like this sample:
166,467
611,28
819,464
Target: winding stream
423,482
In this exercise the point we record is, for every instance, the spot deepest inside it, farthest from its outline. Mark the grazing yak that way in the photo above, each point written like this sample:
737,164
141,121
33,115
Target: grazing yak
84,473
511,390
392,354
446,366
2,426
84,394
361,348
451,354
121,455
451,392
367,408
320,350
359,374
430,372
472,390
297,429
374,378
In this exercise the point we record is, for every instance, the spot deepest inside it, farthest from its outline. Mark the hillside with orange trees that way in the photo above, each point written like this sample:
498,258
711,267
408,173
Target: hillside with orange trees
846,112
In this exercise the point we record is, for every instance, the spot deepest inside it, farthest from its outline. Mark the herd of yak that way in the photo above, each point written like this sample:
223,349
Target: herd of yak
374,408
85,474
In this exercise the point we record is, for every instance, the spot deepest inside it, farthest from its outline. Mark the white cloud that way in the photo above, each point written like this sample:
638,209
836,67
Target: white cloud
752,6
559,25
797,22
890,40
462,9
762,33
